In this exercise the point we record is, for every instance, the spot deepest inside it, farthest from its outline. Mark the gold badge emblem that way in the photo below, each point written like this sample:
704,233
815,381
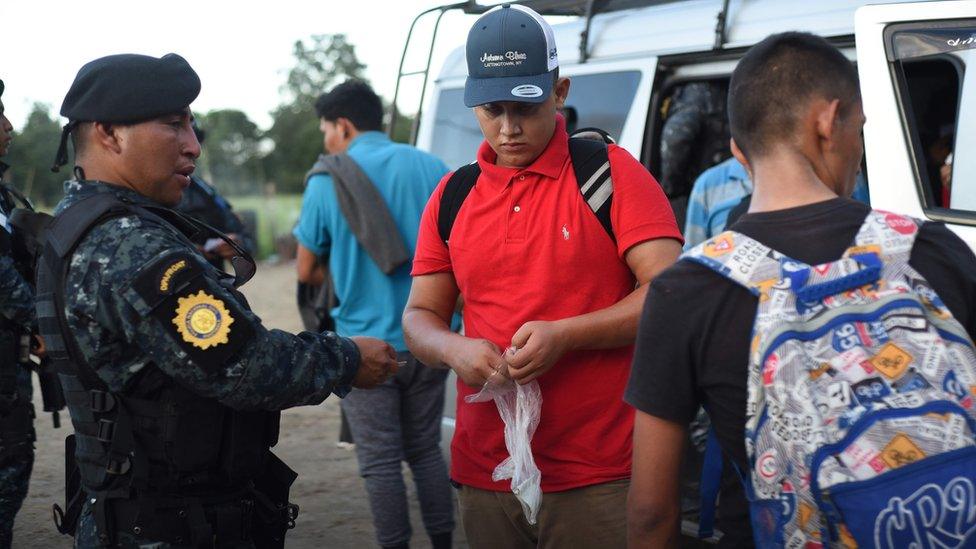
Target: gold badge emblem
202,320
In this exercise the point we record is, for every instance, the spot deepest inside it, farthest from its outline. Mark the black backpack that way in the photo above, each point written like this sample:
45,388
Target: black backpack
587,151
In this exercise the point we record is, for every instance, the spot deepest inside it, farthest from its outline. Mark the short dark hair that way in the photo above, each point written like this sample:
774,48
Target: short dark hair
354,100
779,75
79,136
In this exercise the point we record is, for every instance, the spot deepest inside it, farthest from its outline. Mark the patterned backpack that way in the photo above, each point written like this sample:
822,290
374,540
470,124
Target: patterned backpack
860,422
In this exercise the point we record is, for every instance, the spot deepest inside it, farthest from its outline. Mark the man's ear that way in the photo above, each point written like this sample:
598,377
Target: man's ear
107,136
561,91
346,128
827,120
741,157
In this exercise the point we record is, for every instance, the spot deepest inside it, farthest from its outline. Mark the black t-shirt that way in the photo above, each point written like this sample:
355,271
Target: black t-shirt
693,342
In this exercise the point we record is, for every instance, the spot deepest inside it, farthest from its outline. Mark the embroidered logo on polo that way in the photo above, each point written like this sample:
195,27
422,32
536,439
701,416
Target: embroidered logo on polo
203,320
860,416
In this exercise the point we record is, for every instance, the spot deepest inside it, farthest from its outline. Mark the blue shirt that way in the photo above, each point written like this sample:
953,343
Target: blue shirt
370,302
721,188
717,190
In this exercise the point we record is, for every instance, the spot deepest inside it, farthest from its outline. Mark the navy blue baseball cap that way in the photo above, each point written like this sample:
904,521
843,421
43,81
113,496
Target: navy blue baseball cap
511,54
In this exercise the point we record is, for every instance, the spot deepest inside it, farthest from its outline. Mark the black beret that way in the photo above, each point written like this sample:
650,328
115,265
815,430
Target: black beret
130,88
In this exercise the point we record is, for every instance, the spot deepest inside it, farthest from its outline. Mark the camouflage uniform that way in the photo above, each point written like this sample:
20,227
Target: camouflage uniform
127,338
17,310
694,138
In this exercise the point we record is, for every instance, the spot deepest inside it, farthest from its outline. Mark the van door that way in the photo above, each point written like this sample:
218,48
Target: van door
917,67
613,96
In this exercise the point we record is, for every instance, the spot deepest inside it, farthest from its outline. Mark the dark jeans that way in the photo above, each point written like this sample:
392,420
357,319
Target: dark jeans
398,421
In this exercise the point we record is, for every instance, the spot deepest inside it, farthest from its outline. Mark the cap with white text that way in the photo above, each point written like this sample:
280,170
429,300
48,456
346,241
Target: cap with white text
511,54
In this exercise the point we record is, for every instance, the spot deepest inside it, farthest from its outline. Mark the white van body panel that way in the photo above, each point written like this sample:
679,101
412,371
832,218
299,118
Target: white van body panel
641,35
891,172
687,27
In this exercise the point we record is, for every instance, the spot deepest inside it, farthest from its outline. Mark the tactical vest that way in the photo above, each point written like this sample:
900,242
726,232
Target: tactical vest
156,461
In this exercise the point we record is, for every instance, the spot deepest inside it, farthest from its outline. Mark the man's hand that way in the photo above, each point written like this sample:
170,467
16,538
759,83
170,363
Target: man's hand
38,348
539,346
377,362
224,249
475,360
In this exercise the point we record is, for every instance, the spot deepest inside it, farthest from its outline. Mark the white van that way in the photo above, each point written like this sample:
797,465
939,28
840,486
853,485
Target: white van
912,59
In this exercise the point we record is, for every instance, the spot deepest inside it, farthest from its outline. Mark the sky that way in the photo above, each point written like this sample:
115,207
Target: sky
241,50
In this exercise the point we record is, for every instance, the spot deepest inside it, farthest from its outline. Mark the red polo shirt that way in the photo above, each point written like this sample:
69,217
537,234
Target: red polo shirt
525,246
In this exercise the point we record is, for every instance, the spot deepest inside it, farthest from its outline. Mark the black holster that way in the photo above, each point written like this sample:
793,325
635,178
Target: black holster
66,520
273,514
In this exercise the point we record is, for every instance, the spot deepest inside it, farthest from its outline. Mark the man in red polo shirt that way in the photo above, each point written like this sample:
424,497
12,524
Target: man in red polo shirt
538,272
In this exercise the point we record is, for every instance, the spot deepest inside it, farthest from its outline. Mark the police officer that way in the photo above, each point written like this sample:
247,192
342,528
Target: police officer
695,137
203,202
172,383
16,317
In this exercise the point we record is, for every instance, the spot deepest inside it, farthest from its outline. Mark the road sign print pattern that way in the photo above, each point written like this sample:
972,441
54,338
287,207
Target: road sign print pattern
860,419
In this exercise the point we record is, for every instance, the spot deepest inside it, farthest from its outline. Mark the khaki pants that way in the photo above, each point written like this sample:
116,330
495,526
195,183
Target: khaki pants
589,517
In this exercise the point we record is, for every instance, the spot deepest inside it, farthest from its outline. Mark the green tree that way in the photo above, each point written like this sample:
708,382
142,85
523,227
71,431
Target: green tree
31,155
230,158
321,62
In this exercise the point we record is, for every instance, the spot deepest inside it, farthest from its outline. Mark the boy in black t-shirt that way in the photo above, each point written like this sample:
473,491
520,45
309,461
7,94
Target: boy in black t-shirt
796,118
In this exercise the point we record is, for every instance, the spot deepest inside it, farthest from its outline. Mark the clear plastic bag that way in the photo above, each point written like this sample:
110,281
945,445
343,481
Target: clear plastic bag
520,407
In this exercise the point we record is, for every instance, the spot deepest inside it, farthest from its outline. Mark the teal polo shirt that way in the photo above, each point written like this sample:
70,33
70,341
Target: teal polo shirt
370,302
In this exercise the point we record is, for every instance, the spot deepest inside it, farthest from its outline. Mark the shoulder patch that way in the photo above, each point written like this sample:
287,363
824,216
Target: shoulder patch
202,320
166,276
176,294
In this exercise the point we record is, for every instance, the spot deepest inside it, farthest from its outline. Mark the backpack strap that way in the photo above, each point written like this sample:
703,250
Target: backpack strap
456,190
742,260
591,164
887,234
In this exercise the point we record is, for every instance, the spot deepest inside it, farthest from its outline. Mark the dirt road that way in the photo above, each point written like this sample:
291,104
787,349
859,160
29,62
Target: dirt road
334,511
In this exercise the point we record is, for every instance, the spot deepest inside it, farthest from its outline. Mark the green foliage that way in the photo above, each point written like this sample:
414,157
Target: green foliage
31,155
327,59
230,156
276,216
320,63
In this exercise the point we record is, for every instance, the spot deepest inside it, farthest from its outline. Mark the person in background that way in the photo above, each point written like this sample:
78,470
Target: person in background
361,209
695,136
721,195
16,318
204,203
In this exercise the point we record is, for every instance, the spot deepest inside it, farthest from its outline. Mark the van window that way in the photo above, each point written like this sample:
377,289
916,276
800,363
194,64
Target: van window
601,100
456,134
935,65
595,100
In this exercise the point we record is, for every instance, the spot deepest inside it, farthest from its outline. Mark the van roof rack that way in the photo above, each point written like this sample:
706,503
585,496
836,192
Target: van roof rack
579,8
